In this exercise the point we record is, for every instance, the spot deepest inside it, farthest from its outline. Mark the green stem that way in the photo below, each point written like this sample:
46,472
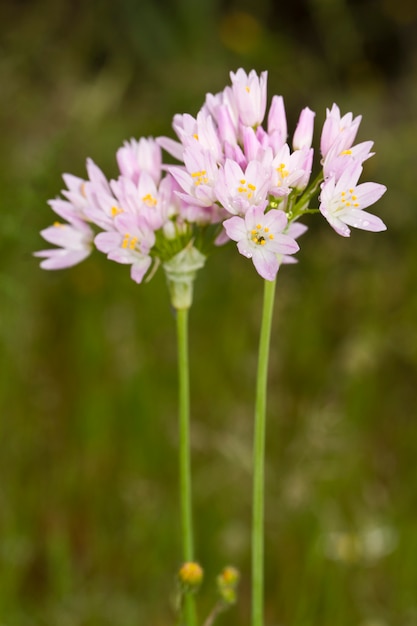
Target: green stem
184,453
259,457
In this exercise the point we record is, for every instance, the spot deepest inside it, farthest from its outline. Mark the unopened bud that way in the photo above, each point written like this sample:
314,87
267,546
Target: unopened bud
227,582
190,575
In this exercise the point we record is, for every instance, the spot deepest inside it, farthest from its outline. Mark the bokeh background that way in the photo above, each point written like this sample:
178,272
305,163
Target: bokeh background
89,532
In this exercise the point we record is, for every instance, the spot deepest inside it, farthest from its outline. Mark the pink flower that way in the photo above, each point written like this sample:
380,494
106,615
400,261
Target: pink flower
337,160
260,237
200,133
129,244
135,157
249,91
342,202
198,177
74,240
102,205
337,128
238,190
290,170
75,193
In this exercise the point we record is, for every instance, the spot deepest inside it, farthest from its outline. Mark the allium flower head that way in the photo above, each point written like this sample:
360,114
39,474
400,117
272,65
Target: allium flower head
230,163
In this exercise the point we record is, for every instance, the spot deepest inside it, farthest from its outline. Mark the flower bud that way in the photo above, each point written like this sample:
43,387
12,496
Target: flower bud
190,575
303,135
227,582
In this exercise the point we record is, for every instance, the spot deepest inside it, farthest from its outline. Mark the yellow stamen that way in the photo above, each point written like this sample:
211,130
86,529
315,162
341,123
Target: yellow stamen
149,200
200,178
129,242
115,210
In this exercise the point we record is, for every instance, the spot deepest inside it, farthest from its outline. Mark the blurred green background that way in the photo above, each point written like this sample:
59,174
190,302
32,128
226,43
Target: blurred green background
89,532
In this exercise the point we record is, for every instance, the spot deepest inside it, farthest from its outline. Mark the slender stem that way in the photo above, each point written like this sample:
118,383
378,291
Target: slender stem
184,453
259,458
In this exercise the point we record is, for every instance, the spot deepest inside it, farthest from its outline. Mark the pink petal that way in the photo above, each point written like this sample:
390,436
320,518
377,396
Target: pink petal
266,263
364,220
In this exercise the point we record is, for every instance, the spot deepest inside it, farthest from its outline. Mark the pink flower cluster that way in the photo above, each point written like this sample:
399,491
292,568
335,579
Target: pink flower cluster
239,179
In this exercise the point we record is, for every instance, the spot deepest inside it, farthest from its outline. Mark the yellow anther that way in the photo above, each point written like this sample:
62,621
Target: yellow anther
58,224
270,236
258,226
115,210
346,152
129,242
247,88
242,181
266,229
195,136
251,187
200,178
282,172
149,200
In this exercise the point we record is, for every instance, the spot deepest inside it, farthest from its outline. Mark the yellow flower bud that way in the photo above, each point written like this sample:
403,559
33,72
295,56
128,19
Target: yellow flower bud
227,582
191,574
